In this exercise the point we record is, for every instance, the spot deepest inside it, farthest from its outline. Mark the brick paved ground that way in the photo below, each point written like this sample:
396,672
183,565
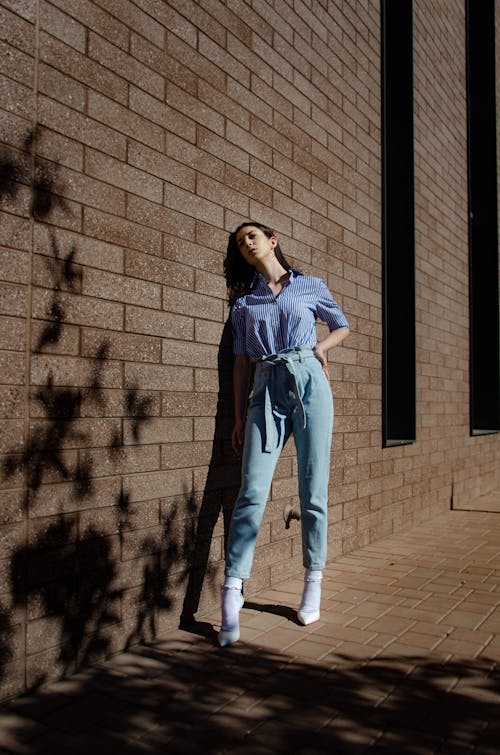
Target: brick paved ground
405,659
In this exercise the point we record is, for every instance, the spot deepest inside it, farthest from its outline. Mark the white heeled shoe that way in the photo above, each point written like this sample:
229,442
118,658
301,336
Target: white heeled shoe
307,617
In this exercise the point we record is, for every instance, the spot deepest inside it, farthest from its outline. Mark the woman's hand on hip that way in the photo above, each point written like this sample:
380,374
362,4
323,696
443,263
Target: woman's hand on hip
329,342
321,357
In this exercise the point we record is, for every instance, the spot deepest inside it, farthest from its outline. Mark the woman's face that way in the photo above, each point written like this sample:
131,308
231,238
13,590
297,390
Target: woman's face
254,245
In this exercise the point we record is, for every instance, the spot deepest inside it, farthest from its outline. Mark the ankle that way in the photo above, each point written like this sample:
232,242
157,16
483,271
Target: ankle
233,583
313,575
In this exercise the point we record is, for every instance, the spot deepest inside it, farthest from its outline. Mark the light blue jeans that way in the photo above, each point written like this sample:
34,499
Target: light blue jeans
291,394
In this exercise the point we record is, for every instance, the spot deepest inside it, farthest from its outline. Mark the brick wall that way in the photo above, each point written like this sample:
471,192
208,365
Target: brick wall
135,136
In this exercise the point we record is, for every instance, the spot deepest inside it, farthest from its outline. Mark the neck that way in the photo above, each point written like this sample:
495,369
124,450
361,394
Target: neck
272,270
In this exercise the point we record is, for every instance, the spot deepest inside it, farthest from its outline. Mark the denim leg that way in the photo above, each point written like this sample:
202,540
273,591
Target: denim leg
256,476
313,444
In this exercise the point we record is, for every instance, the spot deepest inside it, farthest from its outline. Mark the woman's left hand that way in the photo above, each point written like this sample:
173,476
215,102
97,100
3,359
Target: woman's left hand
321,349
321,357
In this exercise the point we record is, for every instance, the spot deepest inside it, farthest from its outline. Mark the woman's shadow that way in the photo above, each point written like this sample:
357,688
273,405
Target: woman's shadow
221,486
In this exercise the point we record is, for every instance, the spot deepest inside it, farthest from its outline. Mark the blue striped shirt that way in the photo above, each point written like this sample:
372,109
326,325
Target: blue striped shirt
264,324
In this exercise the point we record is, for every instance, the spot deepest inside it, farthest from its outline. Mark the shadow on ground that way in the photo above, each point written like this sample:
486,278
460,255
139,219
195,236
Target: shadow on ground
184,695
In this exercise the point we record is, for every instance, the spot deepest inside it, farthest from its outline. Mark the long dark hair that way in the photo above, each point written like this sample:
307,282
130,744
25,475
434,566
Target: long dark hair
239,274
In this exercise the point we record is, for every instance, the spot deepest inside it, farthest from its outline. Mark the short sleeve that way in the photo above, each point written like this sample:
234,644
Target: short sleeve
328,310
239,328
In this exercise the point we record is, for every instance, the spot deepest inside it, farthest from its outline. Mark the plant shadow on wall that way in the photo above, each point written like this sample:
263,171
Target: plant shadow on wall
69,573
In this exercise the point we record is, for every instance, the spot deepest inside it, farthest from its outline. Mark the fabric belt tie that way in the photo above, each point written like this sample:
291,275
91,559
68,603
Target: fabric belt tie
286,357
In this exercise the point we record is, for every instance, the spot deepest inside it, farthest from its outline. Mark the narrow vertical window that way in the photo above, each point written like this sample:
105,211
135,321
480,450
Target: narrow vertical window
483,221
398,226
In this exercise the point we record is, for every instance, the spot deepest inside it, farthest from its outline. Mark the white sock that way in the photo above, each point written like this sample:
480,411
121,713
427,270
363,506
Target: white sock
231,603
311,597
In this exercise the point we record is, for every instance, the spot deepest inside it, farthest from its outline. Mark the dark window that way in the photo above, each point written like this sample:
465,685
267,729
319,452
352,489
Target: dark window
398,227
483,230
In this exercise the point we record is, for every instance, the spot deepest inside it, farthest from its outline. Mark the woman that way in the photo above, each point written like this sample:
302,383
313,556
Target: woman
274,312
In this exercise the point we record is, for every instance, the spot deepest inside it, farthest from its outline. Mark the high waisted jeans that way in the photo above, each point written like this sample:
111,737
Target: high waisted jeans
291,394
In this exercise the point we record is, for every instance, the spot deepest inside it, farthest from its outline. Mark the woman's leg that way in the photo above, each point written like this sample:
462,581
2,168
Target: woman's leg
257,472
313,444
256,476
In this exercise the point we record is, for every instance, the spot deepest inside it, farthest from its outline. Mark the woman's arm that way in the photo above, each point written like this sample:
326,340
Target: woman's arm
241,383
329,342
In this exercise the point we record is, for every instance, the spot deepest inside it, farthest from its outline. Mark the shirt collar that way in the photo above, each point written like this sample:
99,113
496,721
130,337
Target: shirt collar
259,279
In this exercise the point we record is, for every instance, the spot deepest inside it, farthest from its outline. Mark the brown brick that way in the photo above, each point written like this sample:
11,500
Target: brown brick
222,149
206,380
159,377
71,371
210,284
291,170
69,122
12,334
121,63
124,120
125,460
135,18
146,267
195,109
185,303
123,288
11,402
88,251
144,214
92,16
11,436
12,367
79,310
194,206
178,455
116,230
61,88
159,430
66,341
13,298
18,28
163,324
160,165
216,54
123,176
14,231
176,404
17,65
137,348
248,143
14,97
158,60
236,200
207,332
63,26
143,487
56,498
80,188
193,354
70,62
53,532
188,56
